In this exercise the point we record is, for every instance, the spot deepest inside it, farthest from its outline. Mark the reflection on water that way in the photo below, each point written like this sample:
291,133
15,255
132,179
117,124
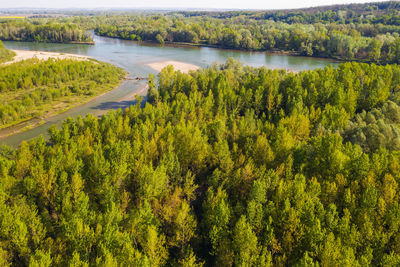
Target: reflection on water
133,57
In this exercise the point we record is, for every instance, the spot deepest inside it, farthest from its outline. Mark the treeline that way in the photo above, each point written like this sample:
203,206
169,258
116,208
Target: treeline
5,54
386,13
225,166
365,42
43,31
32,88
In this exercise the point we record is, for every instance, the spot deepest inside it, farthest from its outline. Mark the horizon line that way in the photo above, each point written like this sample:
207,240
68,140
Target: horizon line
187,8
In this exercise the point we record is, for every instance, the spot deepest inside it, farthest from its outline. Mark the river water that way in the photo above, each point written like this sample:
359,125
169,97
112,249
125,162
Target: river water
134,57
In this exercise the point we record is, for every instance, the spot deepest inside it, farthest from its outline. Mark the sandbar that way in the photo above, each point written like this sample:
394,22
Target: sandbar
41,55
182,66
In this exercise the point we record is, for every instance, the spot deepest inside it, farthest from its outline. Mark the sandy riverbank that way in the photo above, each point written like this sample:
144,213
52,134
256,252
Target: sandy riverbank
184,67
27,54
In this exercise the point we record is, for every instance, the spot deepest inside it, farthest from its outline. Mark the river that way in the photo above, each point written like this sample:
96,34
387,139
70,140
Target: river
134,57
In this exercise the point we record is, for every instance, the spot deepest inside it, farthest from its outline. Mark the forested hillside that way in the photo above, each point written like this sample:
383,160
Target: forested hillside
225,166
43,31
5,54
34,88
368,32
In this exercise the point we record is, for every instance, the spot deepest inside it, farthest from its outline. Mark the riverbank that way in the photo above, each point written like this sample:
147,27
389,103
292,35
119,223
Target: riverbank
133,57
205,45
99,78
42,55
60,107
181,66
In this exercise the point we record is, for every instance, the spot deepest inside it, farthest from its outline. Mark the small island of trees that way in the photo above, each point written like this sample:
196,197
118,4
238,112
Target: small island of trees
35,89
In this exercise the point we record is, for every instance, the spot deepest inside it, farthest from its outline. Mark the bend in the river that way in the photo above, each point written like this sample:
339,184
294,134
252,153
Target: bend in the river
135,58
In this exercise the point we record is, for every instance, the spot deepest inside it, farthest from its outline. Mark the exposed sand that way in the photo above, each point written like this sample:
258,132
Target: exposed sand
26,54
184,67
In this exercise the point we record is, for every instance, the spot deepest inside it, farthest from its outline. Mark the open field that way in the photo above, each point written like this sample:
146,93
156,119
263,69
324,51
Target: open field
12,17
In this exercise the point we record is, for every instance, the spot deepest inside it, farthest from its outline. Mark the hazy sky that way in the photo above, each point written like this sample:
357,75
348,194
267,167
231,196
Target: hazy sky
225,4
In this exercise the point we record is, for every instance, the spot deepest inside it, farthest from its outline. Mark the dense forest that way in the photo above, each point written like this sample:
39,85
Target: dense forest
5,54
370,35
224,166
374,13
228,165
42,31
33,88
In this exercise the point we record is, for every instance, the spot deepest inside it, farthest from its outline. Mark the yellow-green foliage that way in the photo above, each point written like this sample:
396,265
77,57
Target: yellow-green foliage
227,166
30,88
42,31
5,54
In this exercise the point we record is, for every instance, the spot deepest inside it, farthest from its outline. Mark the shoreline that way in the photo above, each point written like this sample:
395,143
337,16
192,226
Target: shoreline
31,123
42,55
200,45
33,41
178,65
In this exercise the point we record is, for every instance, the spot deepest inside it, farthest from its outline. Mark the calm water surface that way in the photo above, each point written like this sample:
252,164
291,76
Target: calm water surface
134,57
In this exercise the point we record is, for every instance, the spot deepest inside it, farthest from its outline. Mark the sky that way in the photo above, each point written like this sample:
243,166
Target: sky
205,4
